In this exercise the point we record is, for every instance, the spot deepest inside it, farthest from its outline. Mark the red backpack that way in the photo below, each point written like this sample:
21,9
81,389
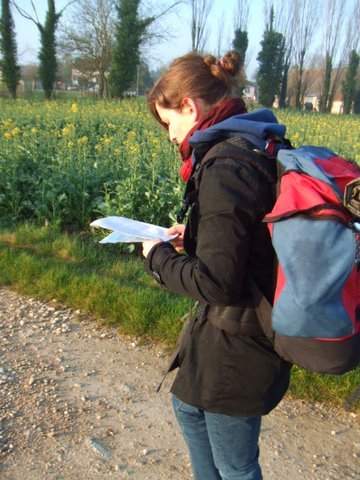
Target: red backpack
315,230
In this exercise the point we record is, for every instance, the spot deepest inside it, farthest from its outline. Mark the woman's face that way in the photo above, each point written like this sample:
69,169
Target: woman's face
179,122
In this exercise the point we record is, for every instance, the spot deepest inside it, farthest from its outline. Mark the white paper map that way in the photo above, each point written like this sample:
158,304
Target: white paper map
126,230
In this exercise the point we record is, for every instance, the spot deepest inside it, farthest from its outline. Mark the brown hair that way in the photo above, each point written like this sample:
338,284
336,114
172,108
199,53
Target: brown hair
198,77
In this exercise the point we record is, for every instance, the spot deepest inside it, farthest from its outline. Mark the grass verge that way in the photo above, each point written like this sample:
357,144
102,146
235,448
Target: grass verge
101,280
110,284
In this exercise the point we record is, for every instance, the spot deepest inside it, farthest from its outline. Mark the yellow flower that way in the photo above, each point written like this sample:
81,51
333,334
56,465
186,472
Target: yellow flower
74,108
7,135
15,131
134,149
67,130
83,140
8,122
34,131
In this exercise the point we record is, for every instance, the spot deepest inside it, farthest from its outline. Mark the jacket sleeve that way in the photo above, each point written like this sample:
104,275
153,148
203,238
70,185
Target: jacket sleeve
230,204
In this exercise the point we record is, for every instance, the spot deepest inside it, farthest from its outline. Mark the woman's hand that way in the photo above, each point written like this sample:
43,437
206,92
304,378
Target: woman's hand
178,242
148,245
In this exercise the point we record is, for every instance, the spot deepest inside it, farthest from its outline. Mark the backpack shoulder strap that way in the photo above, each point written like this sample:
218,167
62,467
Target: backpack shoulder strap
238,148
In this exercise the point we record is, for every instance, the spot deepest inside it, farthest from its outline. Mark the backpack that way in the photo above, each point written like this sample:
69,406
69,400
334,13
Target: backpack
315,230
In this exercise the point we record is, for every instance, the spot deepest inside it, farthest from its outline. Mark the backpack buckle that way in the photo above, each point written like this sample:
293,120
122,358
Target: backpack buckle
352,197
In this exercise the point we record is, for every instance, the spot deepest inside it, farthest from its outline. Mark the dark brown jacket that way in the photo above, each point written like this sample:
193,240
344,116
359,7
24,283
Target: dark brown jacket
226,245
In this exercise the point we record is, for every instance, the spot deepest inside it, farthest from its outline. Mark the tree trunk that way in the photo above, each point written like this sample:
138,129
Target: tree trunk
324,99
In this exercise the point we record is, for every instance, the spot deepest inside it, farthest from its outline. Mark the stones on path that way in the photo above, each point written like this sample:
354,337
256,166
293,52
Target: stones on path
78,401
99,447
72,399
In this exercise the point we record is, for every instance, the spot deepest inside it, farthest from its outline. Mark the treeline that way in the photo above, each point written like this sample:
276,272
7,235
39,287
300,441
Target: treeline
113,52
288,64
306,45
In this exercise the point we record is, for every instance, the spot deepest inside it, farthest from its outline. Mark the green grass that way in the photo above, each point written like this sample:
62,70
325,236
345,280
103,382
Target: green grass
332,389
100,280
110,284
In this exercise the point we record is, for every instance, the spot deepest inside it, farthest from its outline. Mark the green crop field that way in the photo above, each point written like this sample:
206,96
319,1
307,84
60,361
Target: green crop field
70,162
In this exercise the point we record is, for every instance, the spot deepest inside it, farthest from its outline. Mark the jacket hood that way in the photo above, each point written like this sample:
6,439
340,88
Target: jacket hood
256,127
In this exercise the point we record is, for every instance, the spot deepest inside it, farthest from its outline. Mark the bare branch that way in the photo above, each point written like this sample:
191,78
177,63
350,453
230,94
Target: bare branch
220,34
200,12
241,15
27,15
334,17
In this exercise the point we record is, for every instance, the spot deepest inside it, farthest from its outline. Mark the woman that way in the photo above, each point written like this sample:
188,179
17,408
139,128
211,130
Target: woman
228,377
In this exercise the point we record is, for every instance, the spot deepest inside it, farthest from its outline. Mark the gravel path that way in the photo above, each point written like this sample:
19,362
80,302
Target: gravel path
78,401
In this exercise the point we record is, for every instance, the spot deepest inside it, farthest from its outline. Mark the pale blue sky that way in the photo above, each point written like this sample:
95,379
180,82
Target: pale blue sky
28,36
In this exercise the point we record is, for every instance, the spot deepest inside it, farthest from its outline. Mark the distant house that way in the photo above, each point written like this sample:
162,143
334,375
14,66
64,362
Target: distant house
314,100
314,82
250,90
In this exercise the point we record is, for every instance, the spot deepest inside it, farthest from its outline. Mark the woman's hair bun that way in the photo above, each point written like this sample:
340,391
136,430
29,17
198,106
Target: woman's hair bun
230,64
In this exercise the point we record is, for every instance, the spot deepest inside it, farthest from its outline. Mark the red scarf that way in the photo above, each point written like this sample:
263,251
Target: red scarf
228,108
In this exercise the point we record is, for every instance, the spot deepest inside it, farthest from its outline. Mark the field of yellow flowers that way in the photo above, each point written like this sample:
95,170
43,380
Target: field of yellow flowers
68,163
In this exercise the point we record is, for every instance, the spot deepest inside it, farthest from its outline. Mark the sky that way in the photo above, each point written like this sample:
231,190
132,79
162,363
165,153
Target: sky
27,34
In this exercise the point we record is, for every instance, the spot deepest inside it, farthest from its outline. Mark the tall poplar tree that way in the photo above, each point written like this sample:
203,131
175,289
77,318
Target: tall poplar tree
241,38
349,84
240,43
333,24
47,54
271,60
129,35
9,66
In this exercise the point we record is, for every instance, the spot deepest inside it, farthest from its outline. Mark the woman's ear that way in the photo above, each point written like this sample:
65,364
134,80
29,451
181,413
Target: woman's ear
192,107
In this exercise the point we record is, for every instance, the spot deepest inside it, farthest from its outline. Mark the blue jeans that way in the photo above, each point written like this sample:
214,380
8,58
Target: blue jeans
221,447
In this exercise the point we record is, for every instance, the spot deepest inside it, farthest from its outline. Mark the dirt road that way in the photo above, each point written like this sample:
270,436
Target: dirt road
78,401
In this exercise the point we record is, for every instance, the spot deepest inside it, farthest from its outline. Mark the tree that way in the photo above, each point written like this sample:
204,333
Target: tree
200,12
305,20
220,35
286,26
350,82
356,108
143,81
240,43
129,34
89,39
47,54
270,58
334,15
10,68
241,38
